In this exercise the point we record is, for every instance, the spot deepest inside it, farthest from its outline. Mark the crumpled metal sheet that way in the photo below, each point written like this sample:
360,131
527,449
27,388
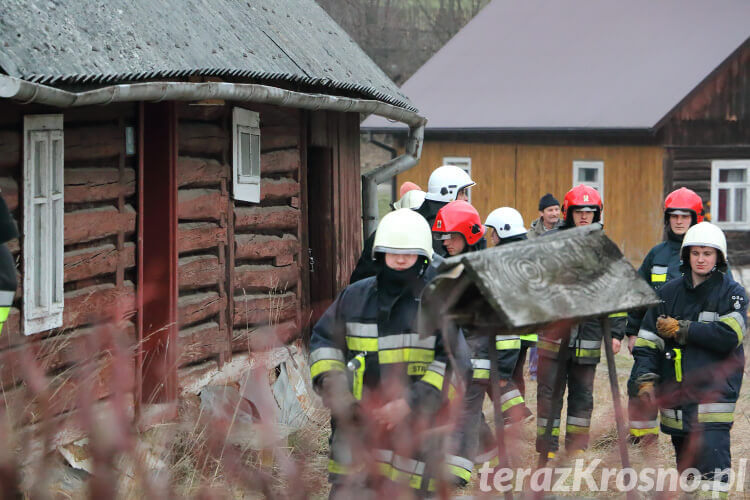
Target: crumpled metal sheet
569,275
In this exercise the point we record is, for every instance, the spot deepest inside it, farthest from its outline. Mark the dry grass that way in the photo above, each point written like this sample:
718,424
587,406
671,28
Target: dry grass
603,443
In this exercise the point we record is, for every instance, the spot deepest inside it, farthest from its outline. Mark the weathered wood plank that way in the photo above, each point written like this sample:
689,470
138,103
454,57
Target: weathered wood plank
96,223
200,204
264,308
280,162
199,235
200,171
9,190
259,246
200,342
199,271
99,303
196,138
89,262
10,149
278,189
92,142
278,137
200,112
199,306
533,283
61,350
97,184
249,218
64,390
263,337
265,278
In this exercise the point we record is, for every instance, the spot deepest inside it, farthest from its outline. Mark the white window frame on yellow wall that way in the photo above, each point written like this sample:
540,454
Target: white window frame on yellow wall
597,165
43,223
462,162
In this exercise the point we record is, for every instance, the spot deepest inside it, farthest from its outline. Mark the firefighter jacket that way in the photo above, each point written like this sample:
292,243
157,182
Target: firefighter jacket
698,381
508,348
662,264
8,283
371,343
585,340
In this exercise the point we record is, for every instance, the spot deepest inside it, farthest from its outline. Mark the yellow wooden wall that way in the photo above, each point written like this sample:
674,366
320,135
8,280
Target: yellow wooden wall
517,175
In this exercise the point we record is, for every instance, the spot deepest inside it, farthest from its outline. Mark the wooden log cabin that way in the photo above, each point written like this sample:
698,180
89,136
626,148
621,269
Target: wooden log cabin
534,97
181,185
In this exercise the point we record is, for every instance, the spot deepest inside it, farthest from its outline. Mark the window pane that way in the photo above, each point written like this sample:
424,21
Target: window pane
732,175
56,167
588,175
40,157
739,205
245,167
723,201
255,155
57,208
40,297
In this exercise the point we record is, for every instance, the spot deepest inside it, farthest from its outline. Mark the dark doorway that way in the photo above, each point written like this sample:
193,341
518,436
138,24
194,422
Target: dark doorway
322,237
157,252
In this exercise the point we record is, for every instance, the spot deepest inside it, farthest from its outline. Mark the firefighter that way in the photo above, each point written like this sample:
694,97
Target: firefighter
683,209
507,226
689,356
8,283
446,183
460,229
380,380
582,206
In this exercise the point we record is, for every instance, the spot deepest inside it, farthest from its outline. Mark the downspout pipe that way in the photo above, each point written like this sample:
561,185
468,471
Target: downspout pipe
385,172
28,92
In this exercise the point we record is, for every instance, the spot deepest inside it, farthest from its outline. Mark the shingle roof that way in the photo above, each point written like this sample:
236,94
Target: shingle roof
59,42
574,64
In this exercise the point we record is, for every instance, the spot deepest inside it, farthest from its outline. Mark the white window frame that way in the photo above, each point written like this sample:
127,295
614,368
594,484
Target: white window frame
717,165
43,292
598,165
246,187
462,162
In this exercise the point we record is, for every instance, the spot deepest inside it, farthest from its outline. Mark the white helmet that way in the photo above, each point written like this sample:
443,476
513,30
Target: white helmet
445,183
705,234
411,199
403,231
506,222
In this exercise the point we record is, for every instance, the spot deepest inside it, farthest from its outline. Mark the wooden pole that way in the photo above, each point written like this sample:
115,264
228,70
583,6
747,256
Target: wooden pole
502,457
622,431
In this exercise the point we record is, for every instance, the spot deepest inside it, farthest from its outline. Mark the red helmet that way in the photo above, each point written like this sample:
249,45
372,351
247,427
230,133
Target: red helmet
459,217
582,196
683,199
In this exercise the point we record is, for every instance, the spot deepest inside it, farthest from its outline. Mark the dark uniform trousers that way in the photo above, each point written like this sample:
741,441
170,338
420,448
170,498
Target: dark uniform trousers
577,372
579,379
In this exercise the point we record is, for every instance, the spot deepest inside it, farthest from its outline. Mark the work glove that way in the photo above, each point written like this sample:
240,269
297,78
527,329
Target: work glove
670,328
647,393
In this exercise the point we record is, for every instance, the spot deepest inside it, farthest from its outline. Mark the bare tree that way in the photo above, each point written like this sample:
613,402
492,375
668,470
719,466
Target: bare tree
401,35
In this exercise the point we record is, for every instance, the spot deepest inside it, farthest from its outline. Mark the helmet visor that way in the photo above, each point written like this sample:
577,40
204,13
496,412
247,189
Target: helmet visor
673,211
584,208
442,236
401,251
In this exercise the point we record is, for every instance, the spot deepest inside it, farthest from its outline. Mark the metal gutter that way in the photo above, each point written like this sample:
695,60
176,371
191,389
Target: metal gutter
27,92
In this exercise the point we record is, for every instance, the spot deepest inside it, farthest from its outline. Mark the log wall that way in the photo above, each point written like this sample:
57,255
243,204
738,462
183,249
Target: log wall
99,262
239,262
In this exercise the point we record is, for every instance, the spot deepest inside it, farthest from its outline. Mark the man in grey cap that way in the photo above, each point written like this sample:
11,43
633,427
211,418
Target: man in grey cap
549,216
